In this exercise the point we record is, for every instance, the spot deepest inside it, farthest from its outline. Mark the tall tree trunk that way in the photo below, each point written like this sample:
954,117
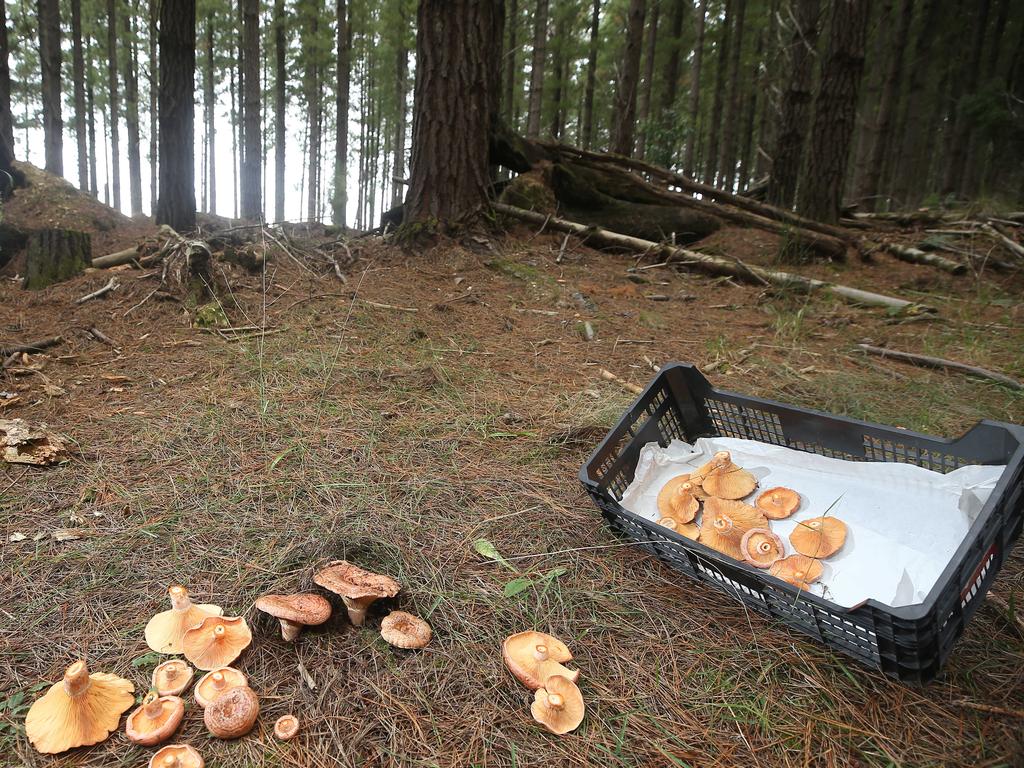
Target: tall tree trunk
769,106
821,187
401,90
624,118
281,99
540,42
870,187
511,65
559,71
343,72
721,66
727,163
644,106
791,133
235,133
455,102
953,180
587,129
153,88
78,73
177,201
693,134
90,99
209,110
50,60
131,113
749,110
6,115
252,156
311,85
667,112
113,104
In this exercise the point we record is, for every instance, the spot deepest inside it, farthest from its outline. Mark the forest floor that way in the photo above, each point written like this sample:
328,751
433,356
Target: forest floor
440,396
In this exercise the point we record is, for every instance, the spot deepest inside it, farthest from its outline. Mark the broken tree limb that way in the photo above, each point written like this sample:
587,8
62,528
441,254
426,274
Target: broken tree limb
127,256
714,265
915,256
1013,247
937,362
628,386
32,346
111,285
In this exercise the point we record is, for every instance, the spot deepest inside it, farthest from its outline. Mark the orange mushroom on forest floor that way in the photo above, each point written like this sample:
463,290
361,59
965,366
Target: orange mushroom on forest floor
403,630
778,503
232,714
176,756
533,657
727,480
286,727
217,641
80,710
761,547
213,684
799,570
172,677
166,630
294,612
818,537
359,588
558,706
156,720
724,523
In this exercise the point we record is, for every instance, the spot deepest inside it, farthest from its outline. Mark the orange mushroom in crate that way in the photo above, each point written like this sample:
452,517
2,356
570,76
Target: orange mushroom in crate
678,499
799,570
725,479
778,503
762,548
818,537
724,523
689,530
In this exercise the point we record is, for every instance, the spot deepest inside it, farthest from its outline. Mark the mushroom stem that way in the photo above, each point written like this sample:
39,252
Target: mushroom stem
179,598
540,653
290,630
171,761
555,701
76,679
153,706
218,680
356,610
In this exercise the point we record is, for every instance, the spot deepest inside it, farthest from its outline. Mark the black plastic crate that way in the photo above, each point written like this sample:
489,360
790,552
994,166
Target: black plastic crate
910,643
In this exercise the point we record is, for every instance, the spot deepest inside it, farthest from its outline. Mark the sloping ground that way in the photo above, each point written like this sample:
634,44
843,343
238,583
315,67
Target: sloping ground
443,395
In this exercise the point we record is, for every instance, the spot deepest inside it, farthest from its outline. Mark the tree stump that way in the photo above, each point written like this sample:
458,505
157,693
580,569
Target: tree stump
53,255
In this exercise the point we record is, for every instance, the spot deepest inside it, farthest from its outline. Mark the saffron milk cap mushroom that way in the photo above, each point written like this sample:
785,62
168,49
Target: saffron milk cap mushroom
286,727
213,684
359,588
166,630
677,496
726,480
172,677
778,503
403,630
558,706
761,547
533,657
176,756
232,714
295,612
217,641
799,570
818,537
724,523
80,710
156,720
689,530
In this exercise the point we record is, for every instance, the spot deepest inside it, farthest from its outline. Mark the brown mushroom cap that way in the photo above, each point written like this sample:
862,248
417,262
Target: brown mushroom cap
725,521
669,493
295,612
286,727
533,657
359,588
689,530
217,641
778,503
166,630
799,570
403,630
232,714
727,480
176,756
558,706
819,537
172,677
219,681
156,720
80,710
761,547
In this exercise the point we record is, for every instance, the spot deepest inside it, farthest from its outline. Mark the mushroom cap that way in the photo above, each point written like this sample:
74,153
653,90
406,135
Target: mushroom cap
349,580
217,682
176,756
558,706
403,630
689,530
778,503
166,630
80,710
668,493
533,657
819,537
799,570
172,677
725,521
761,547
286,727
217,641
305,609
684,504
727,480
232,714
155,720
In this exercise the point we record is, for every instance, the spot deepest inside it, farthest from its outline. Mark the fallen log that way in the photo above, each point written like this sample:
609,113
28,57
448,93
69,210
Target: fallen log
928,361
32,346
111,285
127,256
915,256
1013,247
714,265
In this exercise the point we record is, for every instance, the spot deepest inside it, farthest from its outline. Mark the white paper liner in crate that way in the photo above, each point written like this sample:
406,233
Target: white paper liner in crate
904,522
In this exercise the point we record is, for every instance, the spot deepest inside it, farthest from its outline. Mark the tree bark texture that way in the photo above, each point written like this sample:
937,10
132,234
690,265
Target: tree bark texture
693,132
511,64
587,129
113,105
624,117
537,60
962,127
131,114
667,113
343,72
209,109
281,100
78,72
252,165
314,108
6,116
153,89
50,61
644,117
730,130
90,100
717,104
53,255
176,204
401,89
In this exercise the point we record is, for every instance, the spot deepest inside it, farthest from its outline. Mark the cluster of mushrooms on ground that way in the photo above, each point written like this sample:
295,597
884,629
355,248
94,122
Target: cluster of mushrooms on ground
85,708
741,531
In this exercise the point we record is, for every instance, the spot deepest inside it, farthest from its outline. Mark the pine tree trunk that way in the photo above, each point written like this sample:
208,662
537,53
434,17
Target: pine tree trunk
176,204
6,115
749,110
50,60
540,41
870,189
456,98
401,89
78,72
693,135
252,164
880,24
113,105
644,106
511,65
235,130
624,117
769,107
727,163
90,99
131,113
281,100
154,87
667,113
559,70
953,181
587,129
54,255
343,71
209,110
717,105
313,107
791,133
821,187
